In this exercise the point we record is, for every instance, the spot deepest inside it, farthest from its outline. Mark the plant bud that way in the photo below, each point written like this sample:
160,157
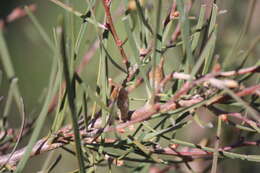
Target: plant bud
132,5
156,76
123,104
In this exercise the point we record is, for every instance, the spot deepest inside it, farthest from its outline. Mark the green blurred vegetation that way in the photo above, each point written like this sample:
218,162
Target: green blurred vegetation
32,59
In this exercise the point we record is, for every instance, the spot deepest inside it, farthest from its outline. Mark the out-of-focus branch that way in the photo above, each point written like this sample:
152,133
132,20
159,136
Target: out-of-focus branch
16,14
10,135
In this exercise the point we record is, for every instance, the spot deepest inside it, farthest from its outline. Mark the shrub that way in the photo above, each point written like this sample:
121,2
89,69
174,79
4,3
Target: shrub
171,101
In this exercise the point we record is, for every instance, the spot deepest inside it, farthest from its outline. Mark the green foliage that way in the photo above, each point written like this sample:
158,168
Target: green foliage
160,90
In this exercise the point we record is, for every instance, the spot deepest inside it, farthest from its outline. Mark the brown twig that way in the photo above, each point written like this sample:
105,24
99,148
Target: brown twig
65,136
171,15
88,55
12,135
137,83
198,153
177,30
240,72
242,118
247,91
16,14
110,24
147,111
188,85
19,137
85,60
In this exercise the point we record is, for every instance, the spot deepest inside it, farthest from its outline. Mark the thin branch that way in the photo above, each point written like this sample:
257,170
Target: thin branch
20,135
64,136
16,14
199,153
119,43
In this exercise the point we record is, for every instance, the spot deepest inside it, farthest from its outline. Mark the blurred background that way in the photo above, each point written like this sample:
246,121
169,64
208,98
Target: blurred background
31,59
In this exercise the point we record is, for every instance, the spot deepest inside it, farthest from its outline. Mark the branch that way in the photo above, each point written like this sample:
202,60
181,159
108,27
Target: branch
16,14
65,136
119,43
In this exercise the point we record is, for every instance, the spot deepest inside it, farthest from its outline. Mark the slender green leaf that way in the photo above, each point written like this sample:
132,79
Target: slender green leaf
212,28
163,131
70,86
38,26
142,16
135,51
216,148
157,43
199,26
8,67
185,33
206,55
145,150
242,32
53,87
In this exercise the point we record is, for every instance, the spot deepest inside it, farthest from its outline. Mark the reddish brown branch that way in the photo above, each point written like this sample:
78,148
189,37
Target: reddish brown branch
177,30
171,15
88,55
17,13
188,85
196,152
119,43
65,136
12,136
240,72
242,118
247,91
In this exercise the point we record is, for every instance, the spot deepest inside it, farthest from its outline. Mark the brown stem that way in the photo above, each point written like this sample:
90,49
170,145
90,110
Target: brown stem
64,136
196,152
17,13
112,29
